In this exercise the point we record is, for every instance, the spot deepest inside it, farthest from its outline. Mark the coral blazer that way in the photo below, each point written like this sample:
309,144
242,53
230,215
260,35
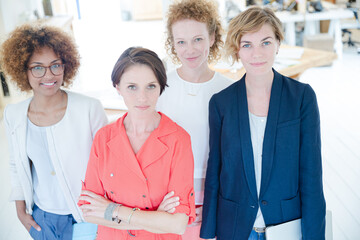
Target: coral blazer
164,163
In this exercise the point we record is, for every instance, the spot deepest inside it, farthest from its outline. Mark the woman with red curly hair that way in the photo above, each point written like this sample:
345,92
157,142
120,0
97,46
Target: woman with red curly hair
193,40
49,134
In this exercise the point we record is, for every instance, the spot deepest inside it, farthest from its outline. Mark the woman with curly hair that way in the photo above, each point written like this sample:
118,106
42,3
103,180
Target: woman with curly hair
49,134
194,41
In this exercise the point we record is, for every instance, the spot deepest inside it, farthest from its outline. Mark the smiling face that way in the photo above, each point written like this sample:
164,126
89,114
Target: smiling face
192,42
49,84
139,88
258,50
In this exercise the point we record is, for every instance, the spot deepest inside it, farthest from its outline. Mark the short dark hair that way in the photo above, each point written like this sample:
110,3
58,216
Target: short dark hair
139,56
16,51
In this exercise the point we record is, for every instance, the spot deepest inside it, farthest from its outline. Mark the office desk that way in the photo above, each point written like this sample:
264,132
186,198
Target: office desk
312,24
310,58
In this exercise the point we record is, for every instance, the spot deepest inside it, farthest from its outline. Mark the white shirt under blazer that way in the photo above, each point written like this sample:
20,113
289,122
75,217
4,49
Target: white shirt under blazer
69,143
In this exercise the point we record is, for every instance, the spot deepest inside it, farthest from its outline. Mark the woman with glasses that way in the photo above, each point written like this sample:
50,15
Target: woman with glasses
49,134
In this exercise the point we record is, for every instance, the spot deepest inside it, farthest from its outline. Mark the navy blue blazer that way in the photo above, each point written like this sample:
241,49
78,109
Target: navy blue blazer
291,178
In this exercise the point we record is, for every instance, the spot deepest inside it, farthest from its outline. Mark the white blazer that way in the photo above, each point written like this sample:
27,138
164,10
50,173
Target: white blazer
69,143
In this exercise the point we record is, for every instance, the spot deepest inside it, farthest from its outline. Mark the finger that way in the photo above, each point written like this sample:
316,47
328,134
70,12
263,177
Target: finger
35,225
171,200
172,210
89,207
169,195
171,205
89,193
87,199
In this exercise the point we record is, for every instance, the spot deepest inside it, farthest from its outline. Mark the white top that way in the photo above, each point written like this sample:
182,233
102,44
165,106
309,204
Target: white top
69,144
45,183
186,104
257,130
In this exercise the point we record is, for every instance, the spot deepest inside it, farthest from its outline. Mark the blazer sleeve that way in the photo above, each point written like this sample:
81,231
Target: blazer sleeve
311,185
182,177
93,181
208,226
17,192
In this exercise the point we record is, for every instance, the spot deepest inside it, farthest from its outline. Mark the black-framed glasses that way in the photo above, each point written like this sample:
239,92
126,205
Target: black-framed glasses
40,71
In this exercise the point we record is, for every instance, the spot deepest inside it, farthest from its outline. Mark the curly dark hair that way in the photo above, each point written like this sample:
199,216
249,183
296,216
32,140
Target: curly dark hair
204,11
16,51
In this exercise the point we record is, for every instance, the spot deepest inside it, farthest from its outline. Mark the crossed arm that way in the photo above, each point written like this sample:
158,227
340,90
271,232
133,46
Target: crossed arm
160,221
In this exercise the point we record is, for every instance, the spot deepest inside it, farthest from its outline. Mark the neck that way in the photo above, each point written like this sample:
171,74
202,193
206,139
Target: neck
141,123
259,84
196,75
49,103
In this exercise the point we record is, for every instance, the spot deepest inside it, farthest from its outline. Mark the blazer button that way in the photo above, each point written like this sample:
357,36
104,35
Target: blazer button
263,202
146,208
144,196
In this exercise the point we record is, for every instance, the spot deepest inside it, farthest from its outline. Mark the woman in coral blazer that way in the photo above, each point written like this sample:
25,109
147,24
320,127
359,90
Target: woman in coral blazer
138,160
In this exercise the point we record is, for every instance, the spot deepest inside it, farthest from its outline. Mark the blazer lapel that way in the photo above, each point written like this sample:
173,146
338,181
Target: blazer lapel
154,149
270,131
128,159
245,136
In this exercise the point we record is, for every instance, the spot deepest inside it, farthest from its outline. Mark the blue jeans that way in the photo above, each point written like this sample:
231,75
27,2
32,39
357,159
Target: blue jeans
256,236
53,226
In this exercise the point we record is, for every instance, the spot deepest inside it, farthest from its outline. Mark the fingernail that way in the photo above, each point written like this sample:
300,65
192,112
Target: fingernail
38,229
177,203
177,198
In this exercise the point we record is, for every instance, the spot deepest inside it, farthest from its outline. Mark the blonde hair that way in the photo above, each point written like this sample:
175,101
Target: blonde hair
251,20
204,11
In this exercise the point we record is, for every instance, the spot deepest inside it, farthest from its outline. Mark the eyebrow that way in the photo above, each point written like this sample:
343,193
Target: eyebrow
136,83
59,59
261,40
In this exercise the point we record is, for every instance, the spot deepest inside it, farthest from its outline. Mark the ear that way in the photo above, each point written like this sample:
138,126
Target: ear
118,89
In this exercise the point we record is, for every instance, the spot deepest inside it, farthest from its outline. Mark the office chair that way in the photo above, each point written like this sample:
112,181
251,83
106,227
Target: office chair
347,27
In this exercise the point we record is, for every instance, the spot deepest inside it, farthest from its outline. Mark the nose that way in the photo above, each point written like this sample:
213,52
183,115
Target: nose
48,74
257,51
142,95
190,48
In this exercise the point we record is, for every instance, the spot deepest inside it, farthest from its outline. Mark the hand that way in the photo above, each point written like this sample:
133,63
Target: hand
198,218
198,212
27,220
169,203
97,204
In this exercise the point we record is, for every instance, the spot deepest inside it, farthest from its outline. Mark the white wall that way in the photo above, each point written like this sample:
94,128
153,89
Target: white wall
16,12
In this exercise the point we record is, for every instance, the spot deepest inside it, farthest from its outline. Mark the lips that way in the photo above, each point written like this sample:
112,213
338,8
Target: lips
142,107
191,59
258,64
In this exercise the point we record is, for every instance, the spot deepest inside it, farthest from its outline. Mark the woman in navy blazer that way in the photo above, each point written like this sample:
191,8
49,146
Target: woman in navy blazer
264,164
